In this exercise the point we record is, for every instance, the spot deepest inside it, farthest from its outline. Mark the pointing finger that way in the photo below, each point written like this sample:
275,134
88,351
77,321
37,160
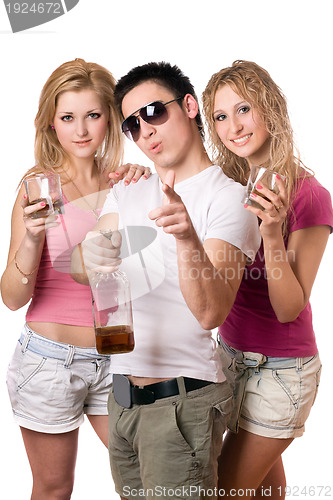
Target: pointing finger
168,187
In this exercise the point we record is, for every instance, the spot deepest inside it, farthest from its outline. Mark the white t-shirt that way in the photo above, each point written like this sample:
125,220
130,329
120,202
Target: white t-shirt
169,341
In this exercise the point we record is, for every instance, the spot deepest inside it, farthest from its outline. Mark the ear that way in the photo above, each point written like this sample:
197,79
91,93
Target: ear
191,106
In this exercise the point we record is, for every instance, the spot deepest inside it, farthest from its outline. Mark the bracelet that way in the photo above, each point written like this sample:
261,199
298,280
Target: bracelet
24,280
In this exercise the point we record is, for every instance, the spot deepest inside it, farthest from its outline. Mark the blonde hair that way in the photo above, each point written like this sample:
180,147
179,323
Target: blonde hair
254,84
75,76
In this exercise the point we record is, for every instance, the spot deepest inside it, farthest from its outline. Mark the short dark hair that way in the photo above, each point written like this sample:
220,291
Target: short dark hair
162,73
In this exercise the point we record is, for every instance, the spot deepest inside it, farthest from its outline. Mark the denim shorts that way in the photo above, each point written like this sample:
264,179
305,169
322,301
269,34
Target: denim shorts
273,396
169,448
51,384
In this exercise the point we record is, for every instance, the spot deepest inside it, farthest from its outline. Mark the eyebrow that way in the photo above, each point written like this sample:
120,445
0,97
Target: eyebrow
87,112
235,106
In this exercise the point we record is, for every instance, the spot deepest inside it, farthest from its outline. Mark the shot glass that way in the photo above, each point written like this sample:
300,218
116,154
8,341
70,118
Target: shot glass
47,188
266,177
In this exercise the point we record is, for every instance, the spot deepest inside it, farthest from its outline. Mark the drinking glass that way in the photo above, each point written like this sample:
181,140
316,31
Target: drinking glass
47,188
266,177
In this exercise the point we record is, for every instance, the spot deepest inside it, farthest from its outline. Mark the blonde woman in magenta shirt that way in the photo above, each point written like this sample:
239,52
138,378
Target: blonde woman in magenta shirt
268,345
56,375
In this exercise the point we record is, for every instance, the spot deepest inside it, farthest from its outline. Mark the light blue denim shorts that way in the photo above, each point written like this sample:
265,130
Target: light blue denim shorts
273,396
51,384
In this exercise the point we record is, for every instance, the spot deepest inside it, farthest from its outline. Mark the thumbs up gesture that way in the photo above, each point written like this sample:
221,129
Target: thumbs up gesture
172,215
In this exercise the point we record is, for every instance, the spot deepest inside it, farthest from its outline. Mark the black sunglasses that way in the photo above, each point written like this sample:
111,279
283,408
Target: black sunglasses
154,113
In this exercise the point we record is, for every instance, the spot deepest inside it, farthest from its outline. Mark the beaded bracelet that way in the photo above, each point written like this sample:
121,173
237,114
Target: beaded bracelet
24,280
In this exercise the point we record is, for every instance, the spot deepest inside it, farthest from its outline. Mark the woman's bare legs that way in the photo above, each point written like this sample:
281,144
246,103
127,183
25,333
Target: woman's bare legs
100,424
247,461
274,484
52,460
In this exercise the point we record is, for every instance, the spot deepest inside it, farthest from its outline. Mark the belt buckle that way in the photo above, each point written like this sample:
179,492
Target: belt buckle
142,396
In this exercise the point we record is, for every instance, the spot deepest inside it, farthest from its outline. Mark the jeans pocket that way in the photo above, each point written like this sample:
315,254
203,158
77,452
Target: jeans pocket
290,384
31,365
223,411
183,425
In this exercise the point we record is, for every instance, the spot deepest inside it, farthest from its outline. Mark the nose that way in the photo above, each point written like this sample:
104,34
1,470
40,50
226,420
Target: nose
235,124
146,129
81,128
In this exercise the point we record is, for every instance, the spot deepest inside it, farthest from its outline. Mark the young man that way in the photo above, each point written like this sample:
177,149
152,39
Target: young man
166,438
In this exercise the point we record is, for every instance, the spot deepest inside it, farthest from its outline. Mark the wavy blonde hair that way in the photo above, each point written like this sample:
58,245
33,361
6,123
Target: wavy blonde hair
75,76
254,84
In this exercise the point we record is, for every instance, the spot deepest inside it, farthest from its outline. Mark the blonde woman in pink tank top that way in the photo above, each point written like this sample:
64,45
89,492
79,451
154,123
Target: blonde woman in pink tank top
56,375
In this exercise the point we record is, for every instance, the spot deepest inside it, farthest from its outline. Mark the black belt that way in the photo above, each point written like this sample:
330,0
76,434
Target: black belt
149,393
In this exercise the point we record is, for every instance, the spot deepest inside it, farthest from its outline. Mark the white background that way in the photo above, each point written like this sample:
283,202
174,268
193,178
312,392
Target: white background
292,39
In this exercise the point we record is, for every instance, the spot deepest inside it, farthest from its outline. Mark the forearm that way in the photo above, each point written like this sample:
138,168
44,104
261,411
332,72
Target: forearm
209,274
209,290
290,279
286,294
78,269
19,278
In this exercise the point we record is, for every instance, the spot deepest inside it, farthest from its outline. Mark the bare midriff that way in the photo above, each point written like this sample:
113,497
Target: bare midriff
140,381
81,336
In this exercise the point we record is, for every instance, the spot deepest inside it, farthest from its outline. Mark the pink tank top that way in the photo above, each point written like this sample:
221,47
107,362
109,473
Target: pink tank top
57,298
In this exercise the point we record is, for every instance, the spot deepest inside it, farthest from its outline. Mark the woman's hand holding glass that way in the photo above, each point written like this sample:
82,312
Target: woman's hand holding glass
274,206
36,227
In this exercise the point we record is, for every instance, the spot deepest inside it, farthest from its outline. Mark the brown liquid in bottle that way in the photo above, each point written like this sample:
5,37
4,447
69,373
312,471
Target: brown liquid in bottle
114,339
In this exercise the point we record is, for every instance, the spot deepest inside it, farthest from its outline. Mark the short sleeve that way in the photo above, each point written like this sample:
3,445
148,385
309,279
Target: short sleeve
229,221
111,203
312,206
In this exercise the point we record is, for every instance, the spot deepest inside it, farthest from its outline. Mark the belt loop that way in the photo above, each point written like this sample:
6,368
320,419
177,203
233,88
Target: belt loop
70,356
26,341
181,387
299,364
233,364
97,363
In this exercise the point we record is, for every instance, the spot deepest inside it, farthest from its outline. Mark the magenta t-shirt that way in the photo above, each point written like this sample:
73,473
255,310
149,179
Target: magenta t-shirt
252,324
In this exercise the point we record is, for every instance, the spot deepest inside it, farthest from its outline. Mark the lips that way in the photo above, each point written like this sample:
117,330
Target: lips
155,147
241,141
82,143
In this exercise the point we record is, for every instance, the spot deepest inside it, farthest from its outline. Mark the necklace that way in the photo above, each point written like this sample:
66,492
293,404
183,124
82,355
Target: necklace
94,210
